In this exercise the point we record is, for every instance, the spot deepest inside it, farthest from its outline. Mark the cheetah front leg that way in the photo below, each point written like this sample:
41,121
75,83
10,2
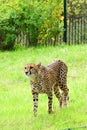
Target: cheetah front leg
50,103
35,100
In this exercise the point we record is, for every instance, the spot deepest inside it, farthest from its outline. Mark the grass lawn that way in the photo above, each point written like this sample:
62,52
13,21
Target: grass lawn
16,106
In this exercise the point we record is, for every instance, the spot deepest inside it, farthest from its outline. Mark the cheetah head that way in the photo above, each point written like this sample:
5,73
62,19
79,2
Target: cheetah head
32,69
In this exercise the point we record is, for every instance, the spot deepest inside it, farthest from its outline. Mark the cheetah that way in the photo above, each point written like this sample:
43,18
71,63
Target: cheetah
46,80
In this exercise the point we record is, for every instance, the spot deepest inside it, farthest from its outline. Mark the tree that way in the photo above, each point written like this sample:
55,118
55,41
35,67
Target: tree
77,8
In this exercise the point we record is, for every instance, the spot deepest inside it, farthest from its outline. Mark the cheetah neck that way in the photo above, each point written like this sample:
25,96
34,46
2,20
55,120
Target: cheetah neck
33,78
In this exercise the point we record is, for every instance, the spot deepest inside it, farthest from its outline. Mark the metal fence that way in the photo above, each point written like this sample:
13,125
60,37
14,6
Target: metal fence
77,30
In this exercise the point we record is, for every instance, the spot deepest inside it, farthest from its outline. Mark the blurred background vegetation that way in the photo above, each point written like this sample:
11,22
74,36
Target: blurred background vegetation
37,20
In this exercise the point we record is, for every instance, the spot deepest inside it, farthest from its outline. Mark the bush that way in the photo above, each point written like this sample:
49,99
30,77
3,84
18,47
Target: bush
7,41
38,20
7,38
8,32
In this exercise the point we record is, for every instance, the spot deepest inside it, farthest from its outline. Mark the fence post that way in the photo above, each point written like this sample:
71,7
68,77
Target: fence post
65,23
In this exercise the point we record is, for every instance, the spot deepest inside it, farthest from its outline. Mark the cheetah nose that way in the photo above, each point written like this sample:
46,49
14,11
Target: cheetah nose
26,73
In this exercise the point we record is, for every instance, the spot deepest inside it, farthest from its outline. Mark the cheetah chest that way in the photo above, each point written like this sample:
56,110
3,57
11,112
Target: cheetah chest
38,87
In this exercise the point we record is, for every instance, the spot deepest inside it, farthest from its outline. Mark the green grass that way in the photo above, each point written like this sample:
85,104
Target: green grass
15,96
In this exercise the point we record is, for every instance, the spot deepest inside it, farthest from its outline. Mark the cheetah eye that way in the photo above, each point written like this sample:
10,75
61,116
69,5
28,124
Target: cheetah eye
31,67
25,67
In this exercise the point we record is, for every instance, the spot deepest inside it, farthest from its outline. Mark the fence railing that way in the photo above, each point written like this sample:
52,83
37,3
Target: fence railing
77,30
76,33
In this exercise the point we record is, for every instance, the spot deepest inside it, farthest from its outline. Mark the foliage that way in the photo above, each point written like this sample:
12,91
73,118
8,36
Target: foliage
36,19
8,32
7,36
52,20
77,8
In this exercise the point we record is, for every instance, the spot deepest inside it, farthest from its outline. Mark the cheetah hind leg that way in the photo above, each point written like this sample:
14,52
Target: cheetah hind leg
64,101
58,94
65,96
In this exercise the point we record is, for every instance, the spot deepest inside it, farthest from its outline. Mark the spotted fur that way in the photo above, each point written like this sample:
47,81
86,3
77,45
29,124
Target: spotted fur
46,80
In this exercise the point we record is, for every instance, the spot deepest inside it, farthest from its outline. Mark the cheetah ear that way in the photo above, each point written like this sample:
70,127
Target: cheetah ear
39,64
